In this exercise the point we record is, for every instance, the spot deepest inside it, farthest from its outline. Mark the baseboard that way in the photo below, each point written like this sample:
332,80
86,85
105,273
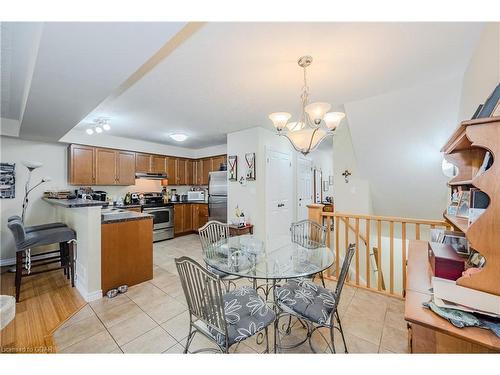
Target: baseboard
89,297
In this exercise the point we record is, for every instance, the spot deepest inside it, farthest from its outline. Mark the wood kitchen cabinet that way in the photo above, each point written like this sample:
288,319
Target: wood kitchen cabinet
105,166
158,164
191,172
178,218
126,253
171,170
217,161
125,168
189,217
81,165
200,215
181,171
206,166
142,163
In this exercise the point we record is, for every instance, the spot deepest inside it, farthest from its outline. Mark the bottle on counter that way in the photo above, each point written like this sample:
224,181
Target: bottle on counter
128,199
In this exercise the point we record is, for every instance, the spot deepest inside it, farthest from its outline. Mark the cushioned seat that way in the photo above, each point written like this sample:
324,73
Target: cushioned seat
35,228
246,314
46,237
307,299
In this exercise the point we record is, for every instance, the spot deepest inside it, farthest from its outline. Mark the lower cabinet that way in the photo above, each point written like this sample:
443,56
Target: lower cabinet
126,253
188,217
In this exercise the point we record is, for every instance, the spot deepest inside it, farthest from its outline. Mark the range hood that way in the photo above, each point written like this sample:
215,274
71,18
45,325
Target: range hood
151,176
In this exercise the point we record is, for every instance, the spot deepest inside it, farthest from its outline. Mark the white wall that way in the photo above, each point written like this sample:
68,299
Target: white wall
250,197
53,157
397,139
352,197
483,72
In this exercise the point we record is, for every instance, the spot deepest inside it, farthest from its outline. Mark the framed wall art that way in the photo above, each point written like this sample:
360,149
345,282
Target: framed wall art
7,180
250,164
232,167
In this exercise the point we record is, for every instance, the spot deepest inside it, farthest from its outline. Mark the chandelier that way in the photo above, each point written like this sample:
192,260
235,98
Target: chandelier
315,122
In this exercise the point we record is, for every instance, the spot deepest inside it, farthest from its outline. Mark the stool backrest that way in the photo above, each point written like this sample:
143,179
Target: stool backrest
203,293
14,217
17,229
308,234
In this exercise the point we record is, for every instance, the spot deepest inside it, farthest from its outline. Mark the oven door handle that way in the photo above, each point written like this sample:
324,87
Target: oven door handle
157,209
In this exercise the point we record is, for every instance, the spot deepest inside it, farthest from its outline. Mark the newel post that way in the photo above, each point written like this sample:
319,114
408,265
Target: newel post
314,212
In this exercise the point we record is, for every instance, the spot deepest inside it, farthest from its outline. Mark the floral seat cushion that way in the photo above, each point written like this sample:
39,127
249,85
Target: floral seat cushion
306,298
246,314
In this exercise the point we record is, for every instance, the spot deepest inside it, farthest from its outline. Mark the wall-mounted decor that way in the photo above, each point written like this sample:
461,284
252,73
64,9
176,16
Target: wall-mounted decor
346,175
7,180
232,163
325,185
491,103
250,161
330,180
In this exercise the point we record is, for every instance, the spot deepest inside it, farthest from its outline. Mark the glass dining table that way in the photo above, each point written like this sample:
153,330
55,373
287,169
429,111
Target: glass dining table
246,256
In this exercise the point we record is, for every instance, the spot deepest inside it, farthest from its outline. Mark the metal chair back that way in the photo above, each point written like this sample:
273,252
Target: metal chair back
308,234
343,272
203,293
211,234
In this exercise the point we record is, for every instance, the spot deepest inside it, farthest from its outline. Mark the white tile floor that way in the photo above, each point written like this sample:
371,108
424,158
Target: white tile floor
152,317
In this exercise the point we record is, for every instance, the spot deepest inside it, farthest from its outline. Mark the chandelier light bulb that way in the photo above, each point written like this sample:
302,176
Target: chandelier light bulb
333,119
316,111
98,129
89,131
279,119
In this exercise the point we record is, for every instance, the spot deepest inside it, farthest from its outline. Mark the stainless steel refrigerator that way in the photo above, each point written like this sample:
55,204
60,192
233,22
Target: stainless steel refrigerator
217,196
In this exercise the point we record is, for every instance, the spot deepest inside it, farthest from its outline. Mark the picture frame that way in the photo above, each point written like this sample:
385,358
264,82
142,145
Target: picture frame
490,104
7,180
325,185
478,111
250,164
464,205
330,180
232,170
452,209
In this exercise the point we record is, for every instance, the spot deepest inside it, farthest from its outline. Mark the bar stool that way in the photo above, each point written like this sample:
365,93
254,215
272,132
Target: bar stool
24,240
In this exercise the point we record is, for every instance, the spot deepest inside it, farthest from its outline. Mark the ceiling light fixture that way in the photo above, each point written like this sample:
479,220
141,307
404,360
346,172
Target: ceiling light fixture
179,137
315,123
100,125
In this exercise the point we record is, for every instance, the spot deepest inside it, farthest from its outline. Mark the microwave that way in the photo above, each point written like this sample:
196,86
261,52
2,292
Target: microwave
196,196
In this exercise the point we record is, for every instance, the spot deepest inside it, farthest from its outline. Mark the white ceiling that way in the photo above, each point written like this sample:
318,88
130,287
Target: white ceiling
77,66
227,76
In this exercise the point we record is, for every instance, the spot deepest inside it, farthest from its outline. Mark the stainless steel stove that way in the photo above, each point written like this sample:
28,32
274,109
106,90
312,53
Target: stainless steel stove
163,215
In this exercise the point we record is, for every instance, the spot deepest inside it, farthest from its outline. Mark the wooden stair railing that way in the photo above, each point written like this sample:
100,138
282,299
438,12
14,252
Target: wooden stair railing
381,237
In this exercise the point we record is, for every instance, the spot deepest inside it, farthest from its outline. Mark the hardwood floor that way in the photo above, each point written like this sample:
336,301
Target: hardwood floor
47,300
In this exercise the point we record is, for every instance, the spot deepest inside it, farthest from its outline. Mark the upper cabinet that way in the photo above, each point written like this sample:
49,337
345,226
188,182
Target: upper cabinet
103,166
81,165
125,162
158,164
142,163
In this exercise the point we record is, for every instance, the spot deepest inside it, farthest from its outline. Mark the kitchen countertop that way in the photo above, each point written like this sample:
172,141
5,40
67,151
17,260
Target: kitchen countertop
74,203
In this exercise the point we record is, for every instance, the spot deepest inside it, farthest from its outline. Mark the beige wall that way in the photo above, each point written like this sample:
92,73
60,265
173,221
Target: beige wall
482,73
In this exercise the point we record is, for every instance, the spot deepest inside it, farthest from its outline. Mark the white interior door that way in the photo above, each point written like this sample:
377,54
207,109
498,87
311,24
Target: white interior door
304,187
279,190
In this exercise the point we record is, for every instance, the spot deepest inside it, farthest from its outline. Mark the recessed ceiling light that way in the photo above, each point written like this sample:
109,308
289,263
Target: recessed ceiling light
89,131
98,129
179,137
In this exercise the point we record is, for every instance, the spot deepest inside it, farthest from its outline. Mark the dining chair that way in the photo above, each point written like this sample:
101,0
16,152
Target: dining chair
313,304
224,318
310,235
212,234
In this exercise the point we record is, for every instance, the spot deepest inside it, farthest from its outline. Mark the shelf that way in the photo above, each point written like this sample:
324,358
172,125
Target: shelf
459,222
462,182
